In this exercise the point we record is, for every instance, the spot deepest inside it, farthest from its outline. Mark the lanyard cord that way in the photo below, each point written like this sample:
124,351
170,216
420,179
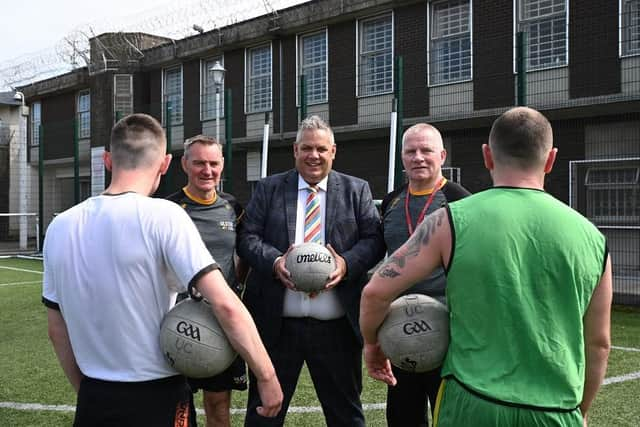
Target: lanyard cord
424,209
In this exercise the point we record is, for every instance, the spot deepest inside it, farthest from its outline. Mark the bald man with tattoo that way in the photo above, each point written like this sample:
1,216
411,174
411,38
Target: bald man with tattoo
402,210
529,291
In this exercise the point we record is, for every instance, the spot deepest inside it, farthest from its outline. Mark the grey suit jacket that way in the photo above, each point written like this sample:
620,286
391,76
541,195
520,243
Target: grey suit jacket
352,228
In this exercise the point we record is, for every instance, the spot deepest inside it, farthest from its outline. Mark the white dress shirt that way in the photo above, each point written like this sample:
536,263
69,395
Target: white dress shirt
325,305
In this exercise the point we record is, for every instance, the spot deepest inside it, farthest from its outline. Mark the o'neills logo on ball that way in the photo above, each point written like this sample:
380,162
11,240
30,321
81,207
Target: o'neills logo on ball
313,257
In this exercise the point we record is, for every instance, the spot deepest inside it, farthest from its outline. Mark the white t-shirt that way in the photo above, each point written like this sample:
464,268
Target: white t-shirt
113,264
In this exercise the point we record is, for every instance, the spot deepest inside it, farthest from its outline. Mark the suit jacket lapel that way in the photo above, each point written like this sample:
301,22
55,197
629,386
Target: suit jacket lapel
291,204
333,195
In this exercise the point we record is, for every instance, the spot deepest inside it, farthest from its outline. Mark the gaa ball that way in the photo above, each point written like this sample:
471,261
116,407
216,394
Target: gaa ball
193,341
415,333
310,265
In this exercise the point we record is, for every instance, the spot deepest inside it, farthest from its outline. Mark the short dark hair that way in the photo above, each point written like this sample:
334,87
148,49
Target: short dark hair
134,141
521,137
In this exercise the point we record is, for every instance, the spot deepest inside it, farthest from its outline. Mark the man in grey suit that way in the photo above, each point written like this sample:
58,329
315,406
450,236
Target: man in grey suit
319,329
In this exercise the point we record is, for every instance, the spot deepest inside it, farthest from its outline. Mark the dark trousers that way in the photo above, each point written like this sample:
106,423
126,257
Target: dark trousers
334,359
407,400
158,403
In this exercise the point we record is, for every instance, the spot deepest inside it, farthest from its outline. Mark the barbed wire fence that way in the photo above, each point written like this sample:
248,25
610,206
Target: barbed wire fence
175,20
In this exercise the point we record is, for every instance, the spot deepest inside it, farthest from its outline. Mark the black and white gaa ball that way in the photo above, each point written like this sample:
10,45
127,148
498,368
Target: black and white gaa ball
310,265
415,333
193,341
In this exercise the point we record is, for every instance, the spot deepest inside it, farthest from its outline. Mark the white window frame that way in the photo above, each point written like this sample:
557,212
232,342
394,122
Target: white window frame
116,95
208,89
83,114
177,113
430,80
249,97
624,29
35,120
359,54
517,25
324,64
452,173
613,211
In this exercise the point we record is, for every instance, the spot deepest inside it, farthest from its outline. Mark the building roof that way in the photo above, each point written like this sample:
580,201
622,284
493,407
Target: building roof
6,98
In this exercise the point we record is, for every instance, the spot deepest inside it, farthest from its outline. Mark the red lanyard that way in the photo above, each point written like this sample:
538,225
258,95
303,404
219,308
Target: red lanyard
424,209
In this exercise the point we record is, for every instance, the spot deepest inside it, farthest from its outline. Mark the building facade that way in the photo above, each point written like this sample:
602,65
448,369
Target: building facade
18,184
456,64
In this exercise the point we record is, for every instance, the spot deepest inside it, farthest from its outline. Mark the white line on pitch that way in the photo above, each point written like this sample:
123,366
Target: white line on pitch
314,409
36,407
20,283
21,269
622,378
69,408
615,347
292,409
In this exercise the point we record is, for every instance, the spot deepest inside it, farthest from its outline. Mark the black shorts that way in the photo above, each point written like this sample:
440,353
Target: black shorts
233,378
161,403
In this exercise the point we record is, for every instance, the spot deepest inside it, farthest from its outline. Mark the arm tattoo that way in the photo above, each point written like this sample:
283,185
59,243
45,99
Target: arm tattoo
421,237
425,231
388,271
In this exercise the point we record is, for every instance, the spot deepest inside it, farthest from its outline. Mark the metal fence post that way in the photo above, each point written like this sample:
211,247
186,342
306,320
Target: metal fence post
303,98
521,67
41,185
228,136
167,115
399,95
76,161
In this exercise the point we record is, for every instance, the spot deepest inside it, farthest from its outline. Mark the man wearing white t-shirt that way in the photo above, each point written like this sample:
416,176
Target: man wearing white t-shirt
109,263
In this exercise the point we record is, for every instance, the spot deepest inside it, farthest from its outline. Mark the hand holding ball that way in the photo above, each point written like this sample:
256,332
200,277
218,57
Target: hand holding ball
193,341
310,265
415,333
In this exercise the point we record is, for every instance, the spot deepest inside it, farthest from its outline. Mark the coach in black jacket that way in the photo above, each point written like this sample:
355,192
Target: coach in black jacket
321,330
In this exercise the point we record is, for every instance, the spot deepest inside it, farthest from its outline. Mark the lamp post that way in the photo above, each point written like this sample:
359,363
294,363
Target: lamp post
217,72
23,174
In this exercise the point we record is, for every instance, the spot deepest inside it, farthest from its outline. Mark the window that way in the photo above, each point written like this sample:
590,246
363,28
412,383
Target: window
258,79
452,174
208,91
375,67
613,195
36,111
630,31
450,37
313,66
83,113
122,95
545,22
173,95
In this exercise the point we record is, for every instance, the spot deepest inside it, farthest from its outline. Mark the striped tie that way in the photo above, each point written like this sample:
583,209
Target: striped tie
312,217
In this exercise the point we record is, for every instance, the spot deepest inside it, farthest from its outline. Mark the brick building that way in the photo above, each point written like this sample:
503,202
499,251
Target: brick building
454,63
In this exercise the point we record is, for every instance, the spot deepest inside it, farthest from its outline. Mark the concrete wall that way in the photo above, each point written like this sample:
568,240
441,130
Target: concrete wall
16,175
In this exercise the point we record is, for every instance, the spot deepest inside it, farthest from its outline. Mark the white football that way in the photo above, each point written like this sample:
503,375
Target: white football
310,265
415,333
193,341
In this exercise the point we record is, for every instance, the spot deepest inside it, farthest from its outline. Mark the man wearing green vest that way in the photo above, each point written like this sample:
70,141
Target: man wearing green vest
529,290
